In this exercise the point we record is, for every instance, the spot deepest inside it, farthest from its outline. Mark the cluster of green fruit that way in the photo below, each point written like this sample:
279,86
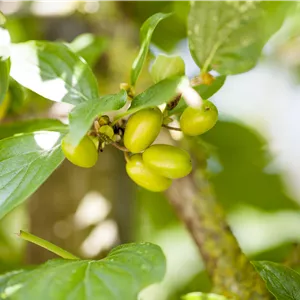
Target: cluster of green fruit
155,168
151,166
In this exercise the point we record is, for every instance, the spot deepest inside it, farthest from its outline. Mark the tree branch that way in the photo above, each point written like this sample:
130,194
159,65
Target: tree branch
231,272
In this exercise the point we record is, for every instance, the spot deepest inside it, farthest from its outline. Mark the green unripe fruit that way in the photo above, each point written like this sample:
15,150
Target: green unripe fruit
84,155
107,130
142,129
95,140
144,176
168,161
196,121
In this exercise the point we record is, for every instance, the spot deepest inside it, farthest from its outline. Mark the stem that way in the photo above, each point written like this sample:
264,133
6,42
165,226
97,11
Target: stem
126,156
122,148
230,271
293,259
47,245
171,128
212,53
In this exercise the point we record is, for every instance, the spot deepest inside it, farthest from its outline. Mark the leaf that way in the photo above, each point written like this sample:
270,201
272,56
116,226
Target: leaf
26,161
10,129
146,32
202,296
53,71
121,275
89,47
5,278
228,36
167,66
4,78
83,115
18,95
281,281
206,91
179,108
239,156
159,93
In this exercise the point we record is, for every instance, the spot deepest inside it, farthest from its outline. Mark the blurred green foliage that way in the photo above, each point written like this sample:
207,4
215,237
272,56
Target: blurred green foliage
243,176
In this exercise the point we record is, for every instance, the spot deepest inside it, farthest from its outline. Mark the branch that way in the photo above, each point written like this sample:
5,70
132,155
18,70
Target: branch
231,272
293,259
171,128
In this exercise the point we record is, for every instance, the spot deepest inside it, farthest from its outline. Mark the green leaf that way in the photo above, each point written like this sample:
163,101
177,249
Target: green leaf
121,275
228,36
26,161
89,47
53,71
281,281
179,108
4,78
146,32
10,129
159,93
83,115
4,280
206,91
202,296
167,66
238,155
18,95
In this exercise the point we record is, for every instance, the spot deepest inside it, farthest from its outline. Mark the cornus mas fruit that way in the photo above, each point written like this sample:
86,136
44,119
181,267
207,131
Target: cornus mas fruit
144,176
168,161
84,155
107,130
142,129
196,121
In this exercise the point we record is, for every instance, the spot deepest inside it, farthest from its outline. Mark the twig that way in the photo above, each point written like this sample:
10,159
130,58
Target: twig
293,259
171,128
126,156
118,146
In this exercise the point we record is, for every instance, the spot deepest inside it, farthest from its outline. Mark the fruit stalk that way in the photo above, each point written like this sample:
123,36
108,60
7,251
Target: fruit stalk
229,269
171,127
47,245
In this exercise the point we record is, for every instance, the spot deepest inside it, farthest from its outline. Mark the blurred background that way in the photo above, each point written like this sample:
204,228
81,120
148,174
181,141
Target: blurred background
253,152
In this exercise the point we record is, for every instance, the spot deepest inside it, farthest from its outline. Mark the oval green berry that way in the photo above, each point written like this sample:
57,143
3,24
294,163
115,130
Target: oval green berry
142,129
168,161
107,130
84,155
196,121
144,176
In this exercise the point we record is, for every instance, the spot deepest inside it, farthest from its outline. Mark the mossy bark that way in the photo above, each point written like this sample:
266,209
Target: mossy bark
231,272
